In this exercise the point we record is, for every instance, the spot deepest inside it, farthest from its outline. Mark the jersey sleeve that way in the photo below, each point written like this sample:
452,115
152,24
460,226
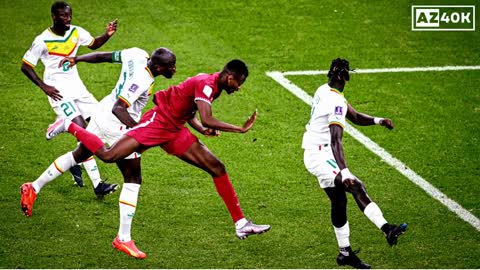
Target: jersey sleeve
36,51
204,92
132,90
337,112
84,37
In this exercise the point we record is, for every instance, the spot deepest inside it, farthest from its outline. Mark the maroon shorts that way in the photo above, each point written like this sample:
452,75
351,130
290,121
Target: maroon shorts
152,131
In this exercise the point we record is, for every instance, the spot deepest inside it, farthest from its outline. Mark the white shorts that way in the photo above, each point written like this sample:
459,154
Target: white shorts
321,163
76,101
71,108
109,132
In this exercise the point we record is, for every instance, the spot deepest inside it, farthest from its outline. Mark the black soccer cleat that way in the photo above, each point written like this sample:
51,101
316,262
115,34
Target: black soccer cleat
393,232
76,172
104,188
352,260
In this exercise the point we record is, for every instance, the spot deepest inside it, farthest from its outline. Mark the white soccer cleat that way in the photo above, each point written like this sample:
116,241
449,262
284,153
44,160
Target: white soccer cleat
250,229
56,128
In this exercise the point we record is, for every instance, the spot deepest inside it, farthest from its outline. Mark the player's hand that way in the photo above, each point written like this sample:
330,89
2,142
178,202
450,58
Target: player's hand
348,179
111,27
387,123
249,124
52,92
210,132
72,62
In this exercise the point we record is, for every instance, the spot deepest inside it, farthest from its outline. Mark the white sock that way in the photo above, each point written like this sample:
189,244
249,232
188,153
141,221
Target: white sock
90,166
240,223
127,204
343,235
373,212
59,166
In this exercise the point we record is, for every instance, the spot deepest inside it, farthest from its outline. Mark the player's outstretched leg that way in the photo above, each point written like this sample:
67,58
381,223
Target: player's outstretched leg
200,156
347,256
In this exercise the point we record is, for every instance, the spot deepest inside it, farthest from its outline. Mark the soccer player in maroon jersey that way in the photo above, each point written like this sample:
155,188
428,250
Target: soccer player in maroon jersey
164,126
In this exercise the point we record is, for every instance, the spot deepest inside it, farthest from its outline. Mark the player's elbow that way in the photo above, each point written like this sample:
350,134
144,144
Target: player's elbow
208,123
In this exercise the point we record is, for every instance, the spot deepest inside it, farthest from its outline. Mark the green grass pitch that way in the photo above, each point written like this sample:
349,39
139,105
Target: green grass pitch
181,222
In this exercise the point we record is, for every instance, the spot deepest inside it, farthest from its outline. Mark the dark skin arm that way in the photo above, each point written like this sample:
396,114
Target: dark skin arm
109,31
208,121
195,123
32,75
120,111
362,119
98,57
336,135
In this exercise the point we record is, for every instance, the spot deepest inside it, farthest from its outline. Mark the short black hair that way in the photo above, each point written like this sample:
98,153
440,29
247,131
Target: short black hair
58,5
339,67
162,56
237,68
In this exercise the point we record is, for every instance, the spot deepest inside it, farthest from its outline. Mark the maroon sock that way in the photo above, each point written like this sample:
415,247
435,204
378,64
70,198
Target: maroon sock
91,141
226,191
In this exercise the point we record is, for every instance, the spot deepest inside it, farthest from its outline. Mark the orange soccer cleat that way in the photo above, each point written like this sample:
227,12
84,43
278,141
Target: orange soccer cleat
28,197
128,248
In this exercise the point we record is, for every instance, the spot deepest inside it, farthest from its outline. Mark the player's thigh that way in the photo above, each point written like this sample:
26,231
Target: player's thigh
200,156
122,148
322,164
109,132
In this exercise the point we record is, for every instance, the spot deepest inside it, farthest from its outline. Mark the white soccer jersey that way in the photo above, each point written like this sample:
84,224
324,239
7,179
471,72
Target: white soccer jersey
134,85
51,49
329,108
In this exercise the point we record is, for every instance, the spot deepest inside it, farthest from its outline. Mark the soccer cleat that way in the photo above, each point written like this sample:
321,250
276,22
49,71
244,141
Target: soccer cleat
128,248
56,128
104,188
250,229
76,172
394,232
352,260
27,199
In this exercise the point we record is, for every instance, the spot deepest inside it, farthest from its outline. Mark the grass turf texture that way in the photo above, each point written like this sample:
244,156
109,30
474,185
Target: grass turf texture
181,222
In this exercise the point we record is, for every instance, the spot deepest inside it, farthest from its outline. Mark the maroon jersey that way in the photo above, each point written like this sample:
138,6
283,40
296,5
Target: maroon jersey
177,104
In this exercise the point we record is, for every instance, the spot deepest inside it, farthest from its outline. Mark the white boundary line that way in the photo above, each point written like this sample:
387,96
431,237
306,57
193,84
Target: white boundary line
374,147
383,70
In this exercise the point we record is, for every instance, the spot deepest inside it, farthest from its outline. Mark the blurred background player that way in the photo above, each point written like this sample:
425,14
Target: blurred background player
164,126
324,158
66,92
115,114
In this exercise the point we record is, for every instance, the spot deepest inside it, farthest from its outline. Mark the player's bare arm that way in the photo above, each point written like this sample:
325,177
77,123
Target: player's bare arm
362,119
208,121
32,75
195,123
97,57
109,31
120,111
336,135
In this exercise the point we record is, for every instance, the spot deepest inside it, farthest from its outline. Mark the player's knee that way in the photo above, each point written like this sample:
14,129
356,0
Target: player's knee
107,157
218,168
356,187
